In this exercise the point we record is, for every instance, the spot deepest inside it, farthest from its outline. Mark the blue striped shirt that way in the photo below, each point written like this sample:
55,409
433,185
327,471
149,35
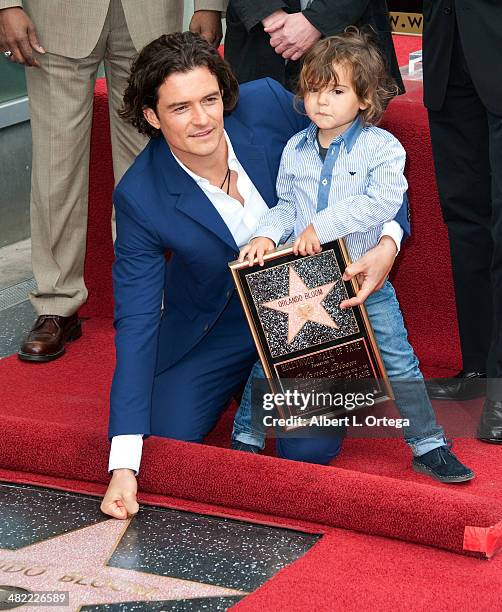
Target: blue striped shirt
359,186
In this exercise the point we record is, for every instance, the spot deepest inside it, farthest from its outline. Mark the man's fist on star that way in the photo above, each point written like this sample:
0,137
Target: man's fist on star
120,498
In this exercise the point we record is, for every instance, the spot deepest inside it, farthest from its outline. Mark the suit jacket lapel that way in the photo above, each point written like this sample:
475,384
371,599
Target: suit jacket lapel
191,200
199,207
253,158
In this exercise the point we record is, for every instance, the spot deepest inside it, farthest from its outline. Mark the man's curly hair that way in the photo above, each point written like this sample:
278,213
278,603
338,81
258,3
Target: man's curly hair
170,53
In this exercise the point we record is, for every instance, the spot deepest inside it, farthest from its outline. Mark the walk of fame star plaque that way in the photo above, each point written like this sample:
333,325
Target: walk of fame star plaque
304,339
59,553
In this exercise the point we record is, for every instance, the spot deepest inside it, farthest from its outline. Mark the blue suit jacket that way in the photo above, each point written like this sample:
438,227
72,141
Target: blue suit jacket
159,207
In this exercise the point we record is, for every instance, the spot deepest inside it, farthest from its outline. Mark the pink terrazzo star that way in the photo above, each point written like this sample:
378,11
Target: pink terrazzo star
303,304
76,562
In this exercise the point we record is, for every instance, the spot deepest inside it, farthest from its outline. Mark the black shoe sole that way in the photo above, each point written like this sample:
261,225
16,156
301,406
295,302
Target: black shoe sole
489,440
464,398
422,469
451,398
75,334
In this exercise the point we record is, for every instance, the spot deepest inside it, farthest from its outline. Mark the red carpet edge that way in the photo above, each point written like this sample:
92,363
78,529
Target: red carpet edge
330,496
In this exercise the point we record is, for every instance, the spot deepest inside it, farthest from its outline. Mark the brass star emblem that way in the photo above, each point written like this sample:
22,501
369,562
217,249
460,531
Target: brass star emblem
303,304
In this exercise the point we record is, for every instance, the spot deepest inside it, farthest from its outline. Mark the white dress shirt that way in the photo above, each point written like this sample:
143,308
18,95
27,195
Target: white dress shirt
242,221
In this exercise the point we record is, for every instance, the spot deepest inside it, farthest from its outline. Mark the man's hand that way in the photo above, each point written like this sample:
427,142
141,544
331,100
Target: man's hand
18,35
256,248
294,37
371,270
120,498
275,19
208,25
307,242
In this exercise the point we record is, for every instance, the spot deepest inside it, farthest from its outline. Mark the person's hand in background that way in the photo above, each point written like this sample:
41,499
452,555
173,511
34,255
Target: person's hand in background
292,36
208,25
18,35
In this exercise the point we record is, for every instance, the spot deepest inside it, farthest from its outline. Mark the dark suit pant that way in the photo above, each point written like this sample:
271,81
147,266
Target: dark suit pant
189,397
467,147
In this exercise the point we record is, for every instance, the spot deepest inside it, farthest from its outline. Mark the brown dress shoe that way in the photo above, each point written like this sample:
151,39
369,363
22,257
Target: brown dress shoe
48,336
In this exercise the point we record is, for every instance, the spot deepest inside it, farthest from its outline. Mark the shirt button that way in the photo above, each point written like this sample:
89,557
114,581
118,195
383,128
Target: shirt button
229,293
206,327
324,181
447,10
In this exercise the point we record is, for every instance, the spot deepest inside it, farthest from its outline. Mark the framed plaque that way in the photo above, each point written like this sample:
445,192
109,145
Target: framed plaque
304,339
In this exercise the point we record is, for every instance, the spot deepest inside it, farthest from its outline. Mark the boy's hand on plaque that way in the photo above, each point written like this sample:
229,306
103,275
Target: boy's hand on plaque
257,248
120,498
307,242
371,271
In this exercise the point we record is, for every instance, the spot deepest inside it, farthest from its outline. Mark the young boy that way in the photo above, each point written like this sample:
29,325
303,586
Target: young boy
342,177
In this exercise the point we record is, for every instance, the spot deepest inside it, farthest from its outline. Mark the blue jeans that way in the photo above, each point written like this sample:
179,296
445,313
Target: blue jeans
401,363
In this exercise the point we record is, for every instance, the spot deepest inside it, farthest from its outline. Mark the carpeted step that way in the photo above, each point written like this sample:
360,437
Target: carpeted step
347,499
64,435
345,570
54,422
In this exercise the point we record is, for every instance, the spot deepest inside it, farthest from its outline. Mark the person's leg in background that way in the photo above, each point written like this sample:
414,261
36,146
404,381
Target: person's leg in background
61,102
490,427
460,137
127,143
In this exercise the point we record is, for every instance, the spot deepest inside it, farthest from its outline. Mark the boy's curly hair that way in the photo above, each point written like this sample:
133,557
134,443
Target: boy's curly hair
357,52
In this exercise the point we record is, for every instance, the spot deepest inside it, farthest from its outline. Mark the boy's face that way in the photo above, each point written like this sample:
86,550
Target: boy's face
333,109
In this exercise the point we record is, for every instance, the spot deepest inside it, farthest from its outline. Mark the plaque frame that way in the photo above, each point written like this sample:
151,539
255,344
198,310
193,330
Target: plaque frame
269,363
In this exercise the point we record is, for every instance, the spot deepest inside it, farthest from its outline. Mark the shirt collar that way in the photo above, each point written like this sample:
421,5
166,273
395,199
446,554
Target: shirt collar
349,137
231,160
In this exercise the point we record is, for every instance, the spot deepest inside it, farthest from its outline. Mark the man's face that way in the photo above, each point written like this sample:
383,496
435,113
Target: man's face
333,109
189,113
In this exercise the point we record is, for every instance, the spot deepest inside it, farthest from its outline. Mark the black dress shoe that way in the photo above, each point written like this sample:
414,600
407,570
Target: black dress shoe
463,386
490,425
48,336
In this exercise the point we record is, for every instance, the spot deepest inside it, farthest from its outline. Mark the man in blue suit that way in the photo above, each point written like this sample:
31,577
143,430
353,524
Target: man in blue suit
197,190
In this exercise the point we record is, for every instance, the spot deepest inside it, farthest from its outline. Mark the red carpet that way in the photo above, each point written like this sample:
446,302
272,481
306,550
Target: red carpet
367,495
348,571
57,436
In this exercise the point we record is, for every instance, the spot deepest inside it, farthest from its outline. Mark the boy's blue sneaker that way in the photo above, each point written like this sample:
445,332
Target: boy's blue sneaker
247,448
441,464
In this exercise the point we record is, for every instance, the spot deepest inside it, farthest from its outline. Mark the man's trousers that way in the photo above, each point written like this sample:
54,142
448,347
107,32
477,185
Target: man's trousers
61,103
467,147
